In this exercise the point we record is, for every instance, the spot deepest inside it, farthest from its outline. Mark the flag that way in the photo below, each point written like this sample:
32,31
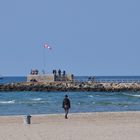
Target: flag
47,46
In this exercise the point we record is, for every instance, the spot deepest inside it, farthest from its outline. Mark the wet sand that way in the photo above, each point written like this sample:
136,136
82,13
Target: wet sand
81,126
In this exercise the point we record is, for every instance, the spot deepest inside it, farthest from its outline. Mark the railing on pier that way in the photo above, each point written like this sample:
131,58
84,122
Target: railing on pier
117,81
108,80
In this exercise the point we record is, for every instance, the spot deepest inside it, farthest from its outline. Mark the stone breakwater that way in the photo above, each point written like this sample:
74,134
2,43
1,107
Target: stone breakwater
70,86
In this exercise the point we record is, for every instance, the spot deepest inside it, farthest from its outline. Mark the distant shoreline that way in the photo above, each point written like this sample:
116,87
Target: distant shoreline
70,114
70,86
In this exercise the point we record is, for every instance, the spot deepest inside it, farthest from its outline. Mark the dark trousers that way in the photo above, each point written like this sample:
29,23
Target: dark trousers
66,112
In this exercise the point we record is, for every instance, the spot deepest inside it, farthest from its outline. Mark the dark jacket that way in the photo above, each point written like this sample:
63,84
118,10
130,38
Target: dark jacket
66,103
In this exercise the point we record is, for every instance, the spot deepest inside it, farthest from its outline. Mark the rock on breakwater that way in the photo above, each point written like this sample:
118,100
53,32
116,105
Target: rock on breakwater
70,86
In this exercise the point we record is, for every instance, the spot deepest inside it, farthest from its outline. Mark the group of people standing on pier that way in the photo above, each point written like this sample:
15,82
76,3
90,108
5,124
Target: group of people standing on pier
59,72
60,75
55,72
34,72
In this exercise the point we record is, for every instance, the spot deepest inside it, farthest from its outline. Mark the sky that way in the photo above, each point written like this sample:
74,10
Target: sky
87,37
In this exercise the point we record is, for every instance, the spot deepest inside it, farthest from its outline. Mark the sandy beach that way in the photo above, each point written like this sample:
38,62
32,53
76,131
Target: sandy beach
81,126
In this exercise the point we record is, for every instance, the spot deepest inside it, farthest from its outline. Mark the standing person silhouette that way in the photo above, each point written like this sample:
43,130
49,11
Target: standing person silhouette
66,105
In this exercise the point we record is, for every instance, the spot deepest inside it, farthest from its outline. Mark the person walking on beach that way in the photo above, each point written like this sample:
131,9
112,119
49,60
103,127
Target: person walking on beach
66,105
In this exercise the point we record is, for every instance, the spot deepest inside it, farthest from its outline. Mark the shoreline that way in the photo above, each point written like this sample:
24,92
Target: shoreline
47,117
73,114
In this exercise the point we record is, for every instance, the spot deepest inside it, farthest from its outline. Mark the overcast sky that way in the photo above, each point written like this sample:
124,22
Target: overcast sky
88,37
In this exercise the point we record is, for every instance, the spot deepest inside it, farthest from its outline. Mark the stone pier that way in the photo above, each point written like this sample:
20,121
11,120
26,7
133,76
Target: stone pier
70,86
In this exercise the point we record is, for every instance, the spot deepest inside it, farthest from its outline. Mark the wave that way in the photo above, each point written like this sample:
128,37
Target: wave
93,102
37,99
122,104
136,95
132,95
7,102
33,102
91,96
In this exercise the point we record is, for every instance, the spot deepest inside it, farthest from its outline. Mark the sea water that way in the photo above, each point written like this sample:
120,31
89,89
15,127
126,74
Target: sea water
23,103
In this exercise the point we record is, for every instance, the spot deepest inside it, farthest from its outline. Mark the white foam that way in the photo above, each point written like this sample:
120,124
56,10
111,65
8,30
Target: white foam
126,106
136,95
36,99
7,102
133,95
91,96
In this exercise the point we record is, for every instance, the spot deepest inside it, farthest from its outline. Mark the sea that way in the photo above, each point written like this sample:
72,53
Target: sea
31,102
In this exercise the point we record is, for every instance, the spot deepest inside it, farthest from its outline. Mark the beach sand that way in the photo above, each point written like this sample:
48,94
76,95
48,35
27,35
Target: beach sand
81,126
